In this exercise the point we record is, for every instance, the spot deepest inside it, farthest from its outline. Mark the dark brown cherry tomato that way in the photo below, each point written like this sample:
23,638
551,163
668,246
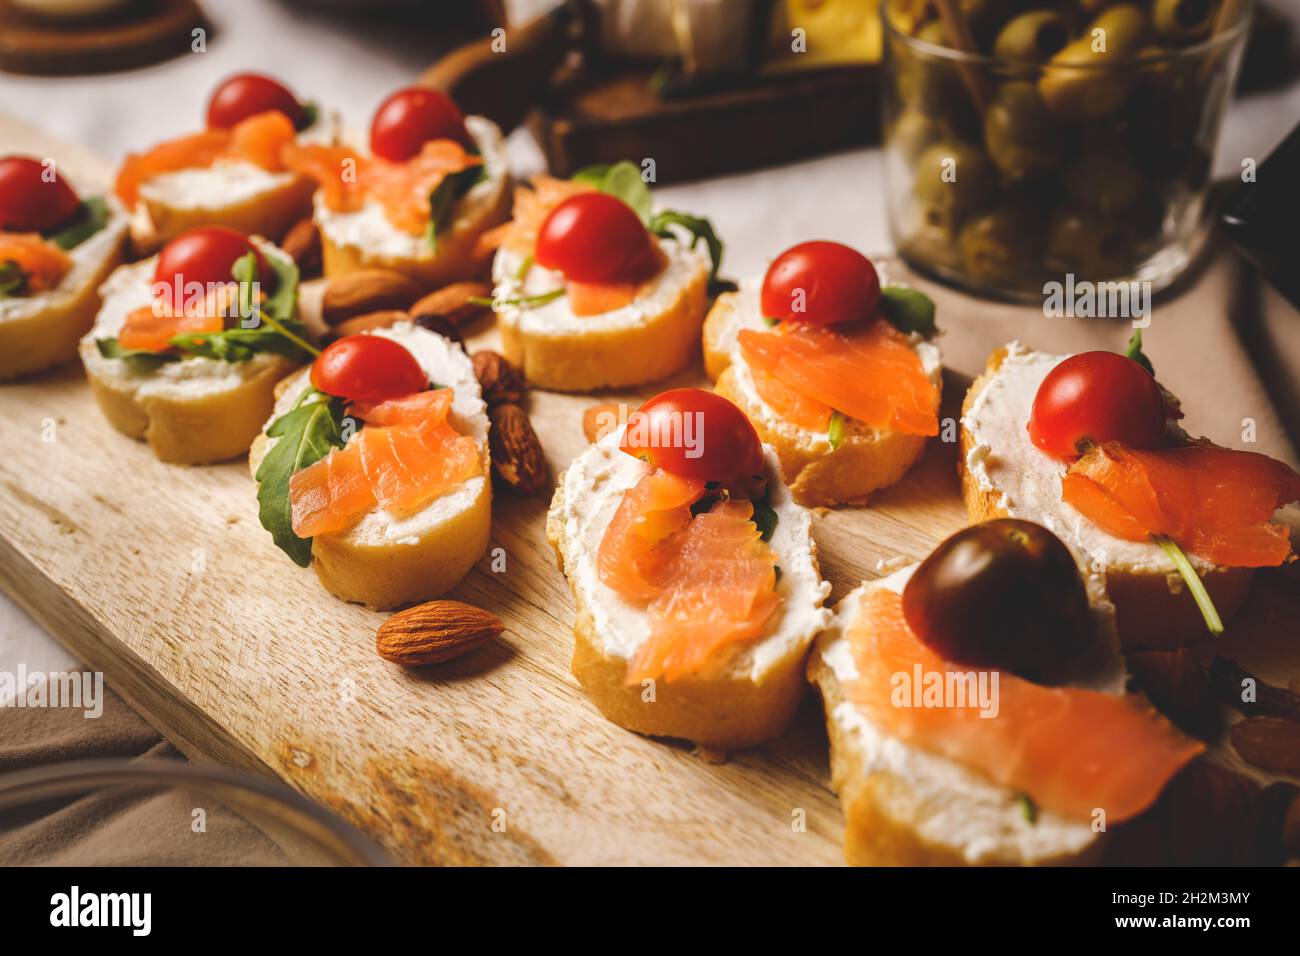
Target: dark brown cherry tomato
1094,397
32,199
1004,594
246,94
821,282
595,237
367,368
205,256
695,433
410,118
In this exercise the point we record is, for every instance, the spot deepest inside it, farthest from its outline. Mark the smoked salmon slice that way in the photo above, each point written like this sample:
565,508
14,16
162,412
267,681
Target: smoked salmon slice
151,328
1215,502
791,404
1072,750
398,467
42,263
868,372
259,140
428,407
708,581
532,204
347,178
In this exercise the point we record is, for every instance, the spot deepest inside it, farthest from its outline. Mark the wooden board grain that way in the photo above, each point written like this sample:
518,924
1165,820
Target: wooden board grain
161,577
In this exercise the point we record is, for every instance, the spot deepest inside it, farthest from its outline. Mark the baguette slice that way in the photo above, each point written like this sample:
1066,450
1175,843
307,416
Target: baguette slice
351,241
1004,475
758,695
42,330
907,807
195,411
387,560
655,336
236,194
866,459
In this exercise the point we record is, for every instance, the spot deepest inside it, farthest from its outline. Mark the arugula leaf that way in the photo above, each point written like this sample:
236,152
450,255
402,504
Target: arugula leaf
310,114
305,434
764,515
523,301
701,230
908,310
12,279
143,358
835,431
591,175
1028,807
444,196
1134,351
273,330
1195,586
92,216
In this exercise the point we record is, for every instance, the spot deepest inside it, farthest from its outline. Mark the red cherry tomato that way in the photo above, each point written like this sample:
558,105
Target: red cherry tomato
410,118
822,283
32,199
205,256
367,368
695,433
247,94
1094,397
594,237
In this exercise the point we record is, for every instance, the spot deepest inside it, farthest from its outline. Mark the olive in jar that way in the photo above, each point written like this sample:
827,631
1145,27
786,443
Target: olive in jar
996,246
953,178
1020,135
1179,21
1035,36
1004,594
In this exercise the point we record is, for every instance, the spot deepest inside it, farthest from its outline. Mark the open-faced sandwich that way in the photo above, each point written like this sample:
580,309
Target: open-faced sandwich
976,709
840,379
693,571
188,344
55,250
419,202
374,467
231,174
1089,445
594,288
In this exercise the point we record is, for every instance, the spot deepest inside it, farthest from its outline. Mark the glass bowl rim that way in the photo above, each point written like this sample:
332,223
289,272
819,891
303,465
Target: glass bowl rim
1195,51
72,777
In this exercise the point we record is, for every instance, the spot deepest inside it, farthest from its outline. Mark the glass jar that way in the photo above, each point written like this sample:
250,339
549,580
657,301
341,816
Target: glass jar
1079,143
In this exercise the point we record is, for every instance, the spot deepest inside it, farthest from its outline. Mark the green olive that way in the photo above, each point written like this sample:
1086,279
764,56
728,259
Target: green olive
1072,87
1034,36
1119,30
932,245
951,173
996,247
1004,594
1081,242
1020,135
1105,180
911,133
1182,20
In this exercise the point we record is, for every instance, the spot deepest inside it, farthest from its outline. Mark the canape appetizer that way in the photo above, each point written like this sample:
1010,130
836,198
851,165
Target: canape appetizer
840,379
55,250
231,174
374,467
976,709
1089,445
694,574
420,201
594,289
188,344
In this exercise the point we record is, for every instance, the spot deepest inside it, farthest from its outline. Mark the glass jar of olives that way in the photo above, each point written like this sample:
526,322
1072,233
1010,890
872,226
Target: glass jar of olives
1062,137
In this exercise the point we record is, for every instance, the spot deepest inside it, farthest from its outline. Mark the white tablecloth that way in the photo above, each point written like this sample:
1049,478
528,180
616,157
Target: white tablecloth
349,65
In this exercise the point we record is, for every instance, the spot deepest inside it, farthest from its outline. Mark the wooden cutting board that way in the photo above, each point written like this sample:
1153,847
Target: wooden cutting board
161,577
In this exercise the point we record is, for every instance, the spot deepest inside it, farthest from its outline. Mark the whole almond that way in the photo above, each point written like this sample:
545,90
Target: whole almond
501,381
302,243
371,320
453,301
435,632
517,455
367,290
